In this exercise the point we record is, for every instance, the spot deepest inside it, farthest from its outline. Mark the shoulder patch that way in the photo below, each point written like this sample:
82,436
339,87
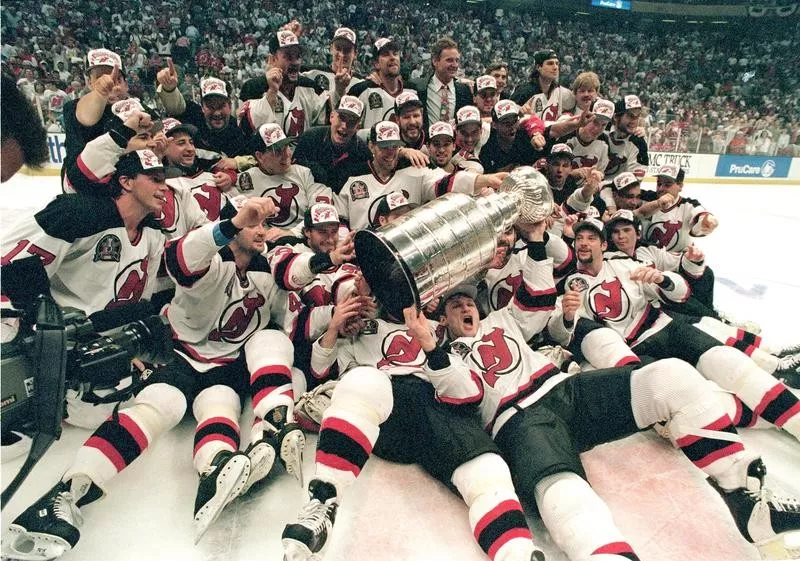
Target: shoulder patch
577,284
359,190
109,248
375,101
245,182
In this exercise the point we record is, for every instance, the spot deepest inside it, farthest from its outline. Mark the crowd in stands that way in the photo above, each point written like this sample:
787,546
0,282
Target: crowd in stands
731,89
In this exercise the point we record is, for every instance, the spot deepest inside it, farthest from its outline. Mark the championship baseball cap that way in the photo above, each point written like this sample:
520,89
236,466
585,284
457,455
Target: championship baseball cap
462,289
406,99
345,34
467,114
545,54
625,180
560,151
673,171
319,214
590,224
282,39
385,134
627,103
272,136
389,203
441,128
103,57
622,215
503,109
485,82
603,109
124,108
139,161
351,105
172,126
384,44
213,86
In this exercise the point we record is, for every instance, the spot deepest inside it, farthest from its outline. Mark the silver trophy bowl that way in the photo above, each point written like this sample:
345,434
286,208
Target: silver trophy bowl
424,253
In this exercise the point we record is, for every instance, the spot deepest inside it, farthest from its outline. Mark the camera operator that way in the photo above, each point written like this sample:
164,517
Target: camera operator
226,297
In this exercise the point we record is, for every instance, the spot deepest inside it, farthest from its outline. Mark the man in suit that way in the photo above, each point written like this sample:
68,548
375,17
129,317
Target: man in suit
440,93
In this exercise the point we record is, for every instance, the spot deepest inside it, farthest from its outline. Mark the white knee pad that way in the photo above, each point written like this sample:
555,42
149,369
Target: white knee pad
486,473
664,387
363,391
268,347
604,348
216,401
166,405
727,367
577,519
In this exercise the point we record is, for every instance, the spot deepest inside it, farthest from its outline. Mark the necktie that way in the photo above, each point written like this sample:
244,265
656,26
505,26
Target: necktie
444,110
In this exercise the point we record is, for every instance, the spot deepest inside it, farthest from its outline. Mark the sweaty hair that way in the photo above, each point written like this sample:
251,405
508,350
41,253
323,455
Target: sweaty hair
441,45
21,123
586,80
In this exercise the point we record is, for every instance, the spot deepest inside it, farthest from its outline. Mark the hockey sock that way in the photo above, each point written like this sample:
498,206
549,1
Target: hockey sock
766,396
495,513
741,415
217,411
740,339
126,434
361,401
579,521
269,356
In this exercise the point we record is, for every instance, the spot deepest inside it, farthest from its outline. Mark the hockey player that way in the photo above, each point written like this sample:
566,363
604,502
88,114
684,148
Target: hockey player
387,407
672,228
542,418
99,252
627,149
542,96
509,144
589,143
225,300
332,153
471,132
441,147
216,128
292,101
623,294
357,199
379,91
485,96
623,232
337,78
291,186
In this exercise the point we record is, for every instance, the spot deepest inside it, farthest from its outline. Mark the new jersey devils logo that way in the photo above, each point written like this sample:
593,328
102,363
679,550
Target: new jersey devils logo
584,162
295,121
503,290
664,234
550,113
285,198
615,162
609,301
497,355
169,212
129,284
209,197
400,349
317,295
236,323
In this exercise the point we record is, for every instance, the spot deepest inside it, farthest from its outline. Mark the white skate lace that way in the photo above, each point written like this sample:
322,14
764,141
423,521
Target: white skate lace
789,362
64,508
314,516
779,503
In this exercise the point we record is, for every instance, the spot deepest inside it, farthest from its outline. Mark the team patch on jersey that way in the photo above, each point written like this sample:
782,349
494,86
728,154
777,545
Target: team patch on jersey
359,190
578,284
370,327
278,105
461,349
109,248
322,82
539,105
375,100
245,182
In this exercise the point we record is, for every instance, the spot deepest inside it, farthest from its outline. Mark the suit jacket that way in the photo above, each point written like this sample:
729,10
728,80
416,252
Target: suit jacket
463,97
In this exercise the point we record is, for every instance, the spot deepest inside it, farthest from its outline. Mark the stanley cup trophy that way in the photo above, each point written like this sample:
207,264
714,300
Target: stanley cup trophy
424,253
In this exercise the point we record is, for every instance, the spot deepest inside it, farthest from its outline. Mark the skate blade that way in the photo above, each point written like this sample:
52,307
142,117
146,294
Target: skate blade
782,546
24,546
262,458
292,447
234,477
296,551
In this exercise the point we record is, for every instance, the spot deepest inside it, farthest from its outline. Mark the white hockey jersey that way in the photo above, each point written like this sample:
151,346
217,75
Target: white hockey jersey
292,192
550,107
664,260
496,368
305,110
593,155
325,80
216,310
202,188
358,198
84,246
378,103
628,307
626,153
673,228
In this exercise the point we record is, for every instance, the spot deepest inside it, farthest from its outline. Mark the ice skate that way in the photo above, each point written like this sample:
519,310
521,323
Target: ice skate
46,529
262,458
292,443
788,371
222,482
770,523
304,539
